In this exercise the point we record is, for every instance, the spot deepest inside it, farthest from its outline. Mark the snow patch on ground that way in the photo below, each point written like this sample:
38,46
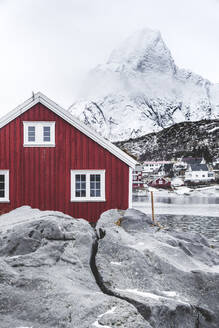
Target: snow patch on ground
183,191
169,294
116,263
96,323
140,293
214,129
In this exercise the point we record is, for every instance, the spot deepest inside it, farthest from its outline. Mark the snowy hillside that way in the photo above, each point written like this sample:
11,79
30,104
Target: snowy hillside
197,139
140,90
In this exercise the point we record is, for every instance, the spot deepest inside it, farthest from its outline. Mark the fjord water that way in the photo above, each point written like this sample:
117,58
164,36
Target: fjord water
198,213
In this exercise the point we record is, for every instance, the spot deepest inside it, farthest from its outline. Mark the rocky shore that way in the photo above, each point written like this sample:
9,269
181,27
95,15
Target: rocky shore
56,271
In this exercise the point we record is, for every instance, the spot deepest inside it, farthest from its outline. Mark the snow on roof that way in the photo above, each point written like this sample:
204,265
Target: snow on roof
199,167
192,160
41,98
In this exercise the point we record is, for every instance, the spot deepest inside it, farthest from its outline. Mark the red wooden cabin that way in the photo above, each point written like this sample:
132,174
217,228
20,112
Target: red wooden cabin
51,161
160,183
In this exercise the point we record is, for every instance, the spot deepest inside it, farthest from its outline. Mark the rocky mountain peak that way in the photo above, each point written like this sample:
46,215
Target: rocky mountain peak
140,90
144,51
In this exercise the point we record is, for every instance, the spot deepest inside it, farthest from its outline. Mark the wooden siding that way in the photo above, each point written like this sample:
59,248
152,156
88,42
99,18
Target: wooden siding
40,176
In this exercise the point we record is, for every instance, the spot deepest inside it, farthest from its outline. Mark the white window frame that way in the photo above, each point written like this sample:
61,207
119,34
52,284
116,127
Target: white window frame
6,198
39,142
102,197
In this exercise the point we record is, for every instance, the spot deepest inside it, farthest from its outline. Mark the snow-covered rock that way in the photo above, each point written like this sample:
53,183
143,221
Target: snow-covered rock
140,90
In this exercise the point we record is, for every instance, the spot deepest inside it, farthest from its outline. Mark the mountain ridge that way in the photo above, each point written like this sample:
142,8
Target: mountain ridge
192,138
140,90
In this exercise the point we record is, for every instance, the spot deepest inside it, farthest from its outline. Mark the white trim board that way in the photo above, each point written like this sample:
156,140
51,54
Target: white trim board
130,187
64,114
6,175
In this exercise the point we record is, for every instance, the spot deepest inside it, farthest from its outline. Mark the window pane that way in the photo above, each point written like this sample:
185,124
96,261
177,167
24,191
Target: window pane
77,194
83,185
2,185
80,185
78,177
83,177
95,185
31,133
46,133
92,177
92,193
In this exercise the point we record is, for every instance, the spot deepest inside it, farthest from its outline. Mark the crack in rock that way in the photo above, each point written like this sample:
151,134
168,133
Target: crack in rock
142,309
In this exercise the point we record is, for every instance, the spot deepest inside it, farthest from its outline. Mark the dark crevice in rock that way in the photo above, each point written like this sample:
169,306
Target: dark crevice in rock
197,324
205,313
142,309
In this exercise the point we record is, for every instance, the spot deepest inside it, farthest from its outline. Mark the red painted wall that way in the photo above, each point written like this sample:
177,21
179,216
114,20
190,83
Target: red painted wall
40,177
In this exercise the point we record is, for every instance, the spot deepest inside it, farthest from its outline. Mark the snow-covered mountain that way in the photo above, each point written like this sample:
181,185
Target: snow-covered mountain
140,90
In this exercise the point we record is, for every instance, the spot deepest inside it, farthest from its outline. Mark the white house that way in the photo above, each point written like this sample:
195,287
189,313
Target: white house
197,173
153,166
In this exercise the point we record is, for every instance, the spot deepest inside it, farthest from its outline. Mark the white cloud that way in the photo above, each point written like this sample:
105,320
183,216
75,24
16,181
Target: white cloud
50,45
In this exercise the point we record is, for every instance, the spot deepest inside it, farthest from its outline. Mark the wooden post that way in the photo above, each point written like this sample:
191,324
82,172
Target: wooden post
152,205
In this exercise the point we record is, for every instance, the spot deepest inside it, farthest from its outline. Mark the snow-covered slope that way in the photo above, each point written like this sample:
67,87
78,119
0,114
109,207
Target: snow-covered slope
197,139
140,90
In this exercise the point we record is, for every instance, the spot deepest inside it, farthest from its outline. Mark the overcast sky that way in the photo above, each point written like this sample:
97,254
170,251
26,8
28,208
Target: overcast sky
50,45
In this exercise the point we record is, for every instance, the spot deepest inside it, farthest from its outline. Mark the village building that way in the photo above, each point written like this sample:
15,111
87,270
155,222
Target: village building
166,170
216,171
199,173
193,160
153,166
160,183
51,161
138,177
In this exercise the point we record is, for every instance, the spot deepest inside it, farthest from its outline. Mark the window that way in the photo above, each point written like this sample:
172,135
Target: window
39,134
87,185
4,186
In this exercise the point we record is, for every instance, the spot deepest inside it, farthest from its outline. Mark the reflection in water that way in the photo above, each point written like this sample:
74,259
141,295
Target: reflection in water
176,199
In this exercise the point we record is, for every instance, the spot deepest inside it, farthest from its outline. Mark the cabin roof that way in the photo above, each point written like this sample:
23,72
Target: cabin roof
67,116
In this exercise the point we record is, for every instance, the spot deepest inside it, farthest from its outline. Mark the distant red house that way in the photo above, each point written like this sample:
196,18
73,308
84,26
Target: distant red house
51,161
160,183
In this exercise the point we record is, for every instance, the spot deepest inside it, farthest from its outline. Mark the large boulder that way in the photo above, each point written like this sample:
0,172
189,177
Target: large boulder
46,278
171,277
